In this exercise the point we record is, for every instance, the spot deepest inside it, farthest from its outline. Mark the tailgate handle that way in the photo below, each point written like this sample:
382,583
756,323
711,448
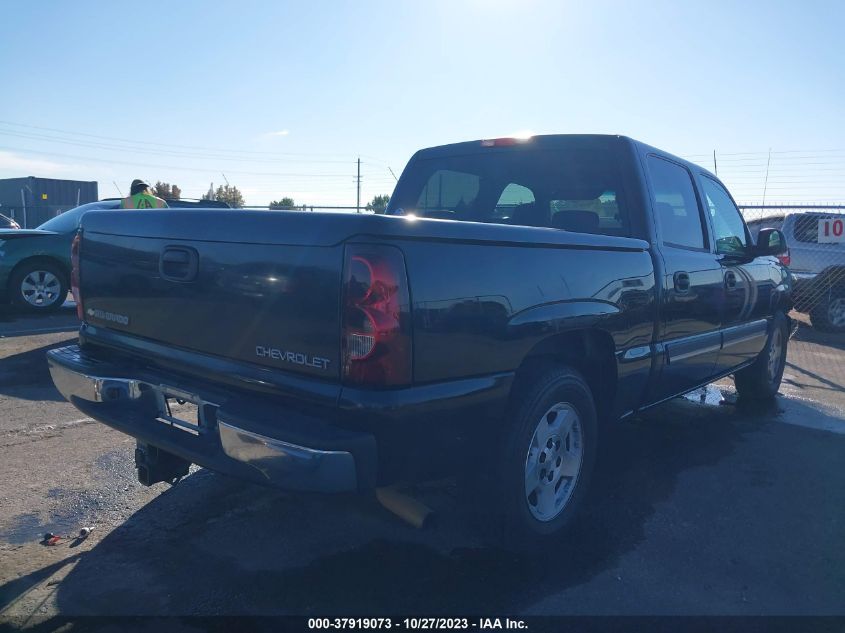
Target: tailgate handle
179,263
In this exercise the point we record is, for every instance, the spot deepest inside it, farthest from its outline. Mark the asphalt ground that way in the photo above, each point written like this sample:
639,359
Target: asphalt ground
699,507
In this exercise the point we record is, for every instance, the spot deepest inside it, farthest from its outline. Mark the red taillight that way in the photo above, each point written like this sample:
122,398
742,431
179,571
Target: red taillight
74,274
785,258
376,317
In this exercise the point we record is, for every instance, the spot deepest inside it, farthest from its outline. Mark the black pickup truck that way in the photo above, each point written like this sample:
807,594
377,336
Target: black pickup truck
516,298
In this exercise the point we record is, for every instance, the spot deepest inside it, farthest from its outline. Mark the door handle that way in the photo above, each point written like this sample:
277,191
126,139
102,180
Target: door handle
682,283
179,263
176,257
730,279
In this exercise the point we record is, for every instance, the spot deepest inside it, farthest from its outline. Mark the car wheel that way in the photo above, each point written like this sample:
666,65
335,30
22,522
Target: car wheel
38,286
761,380
548,455
829,314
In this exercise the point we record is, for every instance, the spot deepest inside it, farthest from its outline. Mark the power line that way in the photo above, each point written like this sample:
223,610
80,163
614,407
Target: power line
171,167
766,153
177,146
156,152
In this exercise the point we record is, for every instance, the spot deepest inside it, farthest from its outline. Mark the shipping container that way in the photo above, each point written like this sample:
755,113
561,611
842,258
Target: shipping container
31,201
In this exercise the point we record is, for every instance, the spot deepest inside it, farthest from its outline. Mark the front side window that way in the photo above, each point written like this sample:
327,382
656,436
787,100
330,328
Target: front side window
728,226
675,204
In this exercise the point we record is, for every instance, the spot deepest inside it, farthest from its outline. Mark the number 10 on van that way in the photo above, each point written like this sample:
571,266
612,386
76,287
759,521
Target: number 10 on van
831,231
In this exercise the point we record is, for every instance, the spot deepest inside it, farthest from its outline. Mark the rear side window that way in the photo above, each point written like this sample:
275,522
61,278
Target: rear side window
807,228
513,196
447,193
675,204
576,189
69,220
64,222
604,208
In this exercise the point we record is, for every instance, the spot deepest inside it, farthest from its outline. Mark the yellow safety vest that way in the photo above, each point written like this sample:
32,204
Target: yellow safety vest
143,201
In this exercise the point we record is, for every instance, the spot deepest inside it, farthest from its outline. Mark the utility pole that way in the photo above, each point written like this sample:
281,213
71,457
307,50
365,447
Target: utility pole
766,183
715,167
358,182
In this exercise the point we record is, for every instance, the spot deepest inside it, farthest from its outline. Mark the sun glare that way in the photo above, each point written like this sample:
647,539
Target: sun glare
523,135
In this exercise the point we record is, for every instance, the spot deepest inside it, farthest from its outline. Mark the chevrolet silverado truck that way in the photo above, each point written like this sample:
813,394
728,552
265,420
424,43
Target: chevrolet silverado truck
516,299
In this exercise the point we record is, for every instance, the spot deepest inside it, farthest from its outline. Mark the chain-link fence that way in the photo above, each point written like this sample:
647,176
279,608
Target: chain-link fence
816,258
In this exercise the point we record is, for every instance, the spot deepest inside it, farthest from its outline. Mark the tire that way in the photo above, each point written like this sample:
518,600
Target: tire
544,471
829,314
38,286
760,381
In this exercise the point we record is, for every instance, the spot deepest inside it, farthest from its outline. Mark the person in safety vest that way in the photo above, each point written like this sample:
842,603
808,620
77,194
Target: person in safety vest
141,196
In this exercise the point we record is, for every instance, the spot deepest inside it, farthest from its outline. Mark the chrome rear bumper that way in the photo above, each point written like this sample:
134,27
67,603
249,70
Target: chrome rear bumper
225,438
299,467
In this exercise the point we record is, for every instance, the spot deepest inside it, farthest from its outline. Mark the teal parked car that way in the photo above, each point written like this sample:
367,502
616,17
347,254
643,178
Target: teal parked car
35,263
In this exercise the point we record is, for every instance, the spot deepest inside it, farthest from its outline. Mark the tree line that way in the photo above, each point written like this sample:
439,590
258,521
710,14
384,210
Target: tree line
231,195
377,205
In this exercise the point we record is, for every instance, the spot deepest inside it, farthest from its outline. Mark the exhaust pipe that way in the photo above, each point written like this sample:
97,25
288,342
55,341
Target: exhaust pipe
413,512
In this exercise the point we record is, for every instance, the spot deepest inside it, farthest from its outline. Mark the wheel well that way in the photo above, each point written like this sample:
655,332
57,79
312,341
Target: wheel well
43,259
591,351
834,278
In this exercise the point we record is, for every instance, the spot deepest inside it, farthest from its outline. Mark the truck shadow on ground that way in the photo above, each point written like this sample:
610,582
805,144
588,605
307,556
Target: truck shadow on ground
808,334
29,369
214,545
63,316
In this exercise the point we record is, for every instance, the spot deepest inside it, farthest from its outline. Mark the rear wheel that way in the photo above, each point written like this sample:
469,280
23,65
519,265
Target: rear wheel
547,456
761,380
829,314
38,286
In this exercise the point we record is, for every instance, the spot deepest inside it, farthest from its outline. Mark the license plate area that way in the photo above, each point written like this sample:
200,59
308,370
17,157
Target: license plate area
182,410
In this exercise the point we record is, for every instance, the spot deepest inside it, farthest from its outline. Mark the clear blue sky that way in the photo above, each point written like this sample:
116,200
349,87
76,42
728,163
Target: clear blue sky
293,92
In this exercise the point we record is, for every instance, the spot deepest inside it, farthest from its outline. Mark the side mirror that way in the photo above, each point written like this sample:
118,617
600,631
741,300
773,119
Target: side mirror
770,242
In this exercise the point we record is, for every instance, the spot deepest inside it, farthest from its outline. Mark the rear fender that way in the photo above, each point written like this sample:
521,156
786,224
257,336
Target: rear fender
553,318
576,333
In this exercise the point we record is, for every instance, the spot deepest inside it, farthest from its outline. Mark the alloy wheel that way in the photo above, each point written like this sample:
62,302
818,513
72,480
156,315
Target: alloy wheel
553,462
775,353
41,288
836,312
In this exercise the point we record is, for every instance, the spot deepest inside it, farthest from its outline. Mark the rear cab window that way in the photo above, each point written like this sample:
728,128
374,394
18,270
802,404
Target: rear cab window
576,189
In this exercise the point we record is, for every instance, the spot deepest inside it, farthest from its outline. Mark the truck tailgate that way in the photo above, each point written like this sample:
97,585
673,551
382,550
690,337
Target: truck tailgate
257,287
